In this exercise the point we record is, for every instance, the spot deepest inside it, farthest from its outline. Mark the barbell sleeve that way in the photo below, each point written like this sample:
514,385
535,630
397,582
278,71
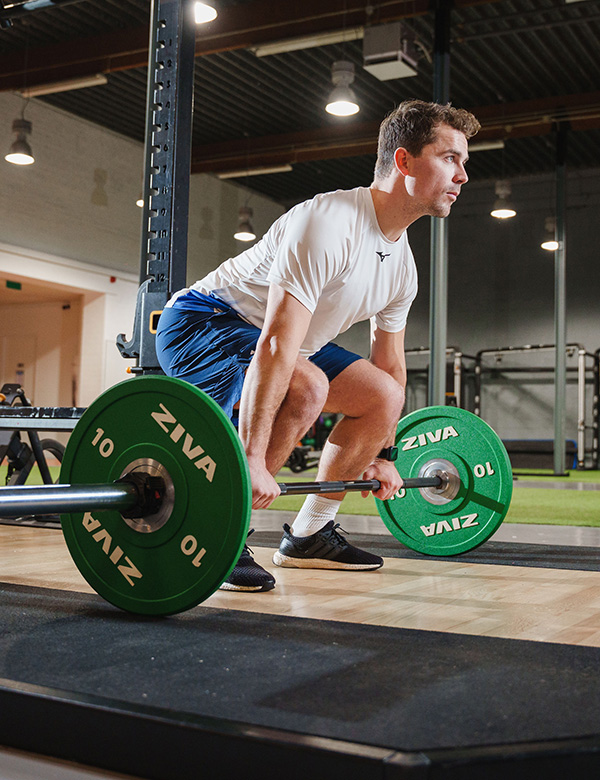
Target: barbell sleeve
59,499
304,488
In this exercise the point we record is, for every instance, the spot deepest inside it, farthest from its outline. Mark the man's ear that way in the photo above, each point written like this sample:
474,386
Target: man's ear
401,160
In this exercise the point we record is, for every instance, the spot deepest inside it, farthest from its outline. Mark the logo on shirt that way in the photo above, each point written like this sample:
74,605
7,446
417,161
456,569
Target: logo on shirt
381,256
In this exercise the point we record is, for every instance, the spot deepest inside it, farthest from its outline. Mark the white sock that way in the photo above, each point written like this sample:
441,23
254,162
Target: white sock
315,513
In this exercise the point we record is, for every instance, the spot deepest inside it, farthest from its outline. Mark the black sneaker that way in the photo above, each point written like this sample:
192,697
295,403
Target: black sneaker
326,549
247,575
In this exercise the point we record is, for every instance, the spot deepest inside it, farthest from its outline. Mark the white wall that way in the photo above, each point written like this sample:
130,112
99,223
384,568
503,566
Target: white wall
214,206
71,219
78,199
103,303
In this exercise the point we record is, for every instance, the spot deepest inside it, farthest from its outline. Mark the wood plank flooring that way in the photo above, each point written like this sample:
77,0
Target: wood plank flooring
547,605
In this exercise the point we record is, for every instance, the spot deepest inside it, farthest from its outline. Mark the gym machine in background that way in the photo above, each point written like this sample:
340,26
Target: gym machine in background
457,392
19,457
499,364
468,377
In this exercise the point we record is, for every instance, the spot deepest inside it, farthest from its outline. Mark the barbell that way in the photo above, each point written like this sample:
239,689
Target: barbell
155,495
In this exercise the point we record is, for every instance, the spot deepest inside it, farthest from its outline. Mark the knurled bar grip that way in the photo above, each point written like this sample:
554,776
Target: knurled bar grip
59,499
300,488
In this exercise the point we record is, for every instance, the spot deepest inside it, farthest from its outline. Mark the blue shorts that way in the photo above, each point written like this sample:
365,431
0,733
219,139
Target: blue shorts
204,341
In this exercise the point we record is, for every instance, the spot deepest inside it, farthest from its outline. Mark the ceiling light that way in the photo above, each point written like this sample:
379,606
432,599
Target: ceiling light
309,41
66,85
550,244
140,202
238,174
245,231
503,208
204,12
342,101
485,146
20,152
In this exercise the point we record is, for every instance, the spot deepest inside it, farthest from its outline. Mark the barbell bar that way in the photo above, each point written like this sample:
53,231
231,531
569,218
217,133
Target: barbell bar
134,495
57,499
126,497
342,486
155,495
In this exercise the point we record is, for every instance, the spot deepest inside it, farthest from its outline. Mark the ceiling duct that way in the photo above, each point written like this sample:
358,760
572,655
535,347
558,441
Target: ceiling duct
389,51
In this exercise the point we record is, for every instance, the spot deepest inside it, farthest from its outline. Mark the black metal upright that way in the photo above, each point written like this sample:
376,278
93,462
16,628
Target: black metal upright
438,286
167,155
441,53
560,302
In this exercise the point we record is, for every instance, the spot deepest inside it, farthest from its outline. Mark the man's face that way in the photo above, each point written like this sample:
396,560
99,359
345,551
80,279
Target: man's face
435,177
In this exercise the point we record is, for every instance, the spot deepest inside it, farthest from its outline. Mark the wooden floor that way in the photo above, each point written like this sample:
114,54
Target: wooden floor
518,602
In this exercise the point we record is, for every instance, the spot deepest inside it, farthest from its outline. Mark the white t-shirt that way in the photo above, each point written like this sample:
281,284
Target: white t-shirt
330,254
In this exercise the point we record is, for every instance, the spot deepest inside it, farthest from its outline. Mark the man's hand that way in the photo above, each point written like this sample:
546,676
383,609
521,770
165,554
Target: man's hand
264,488
386,473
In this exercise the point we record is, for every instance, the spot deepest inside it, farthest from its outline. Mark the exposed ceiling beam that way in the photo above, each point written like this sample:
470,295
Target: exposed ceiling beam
321,144
237,27
119,50
264,21
504,121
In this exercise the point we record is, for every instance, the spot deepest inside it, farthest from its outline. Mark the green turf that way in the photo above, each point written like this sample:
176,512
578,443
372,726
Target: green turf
555,507
539,475
34,477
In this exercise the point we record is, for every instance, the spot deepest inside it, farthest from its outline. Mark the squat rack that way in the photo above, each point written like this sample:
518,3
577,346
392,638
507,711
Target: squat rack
570,351
164,229
454,373
167,156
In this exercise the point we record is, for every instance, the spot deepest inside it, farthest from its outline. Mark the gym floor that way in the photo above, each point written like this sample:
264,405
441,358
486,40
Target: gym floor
429,667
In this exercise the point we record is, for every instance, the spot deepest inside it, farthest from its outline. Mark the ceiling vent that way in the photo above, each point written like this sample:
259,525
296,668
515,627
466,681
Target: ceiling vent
389,51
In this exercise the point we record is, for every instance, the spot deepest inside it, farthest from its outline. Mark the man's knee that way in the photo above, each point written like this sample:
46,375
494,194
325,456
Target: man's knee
365,390
307,392
387,396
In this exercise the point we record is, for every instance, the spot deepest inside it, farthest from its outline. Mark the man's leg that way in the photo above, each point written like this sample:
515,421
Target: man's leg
300,408
212,349
303,403
371,402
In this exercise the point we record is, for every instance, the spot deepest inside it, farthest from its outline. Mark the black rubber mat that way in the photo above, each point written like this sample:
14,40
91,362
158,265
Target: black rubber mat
31,521
400,689
542,556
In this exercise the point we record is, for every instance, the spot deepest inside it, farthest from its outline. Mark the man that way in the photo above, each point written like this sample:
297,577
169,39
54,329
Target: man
257,333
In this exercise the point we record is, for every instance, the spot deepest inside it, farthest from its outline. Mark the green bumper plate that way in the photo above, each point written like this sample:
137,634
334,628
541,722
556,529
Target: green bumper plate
183,562
474,451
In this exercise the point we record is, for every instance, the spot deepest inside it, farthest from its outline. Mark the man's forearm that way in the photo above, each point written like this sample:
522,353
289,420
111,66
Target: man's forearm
265,387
